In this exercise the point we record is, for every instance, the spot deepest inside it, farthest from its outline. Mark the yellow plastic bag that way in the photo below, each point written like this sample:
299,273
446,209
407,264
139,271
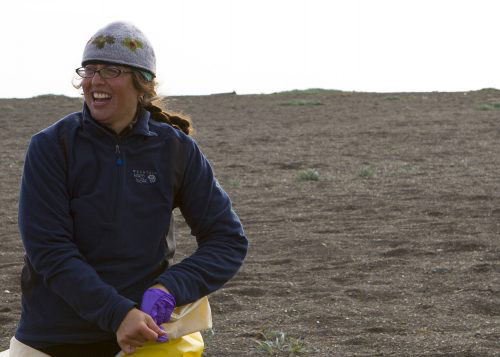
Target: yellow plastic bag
189,318
183,329
186,346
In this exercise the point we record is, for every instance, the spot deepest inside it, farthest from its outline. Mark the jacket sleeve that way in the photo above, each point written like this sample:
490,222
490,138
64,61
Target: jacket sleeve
222,245
46,228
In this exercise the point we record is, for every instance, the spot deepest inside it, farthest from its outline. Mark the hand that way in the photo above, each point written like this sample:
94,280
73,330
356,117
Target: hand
135,329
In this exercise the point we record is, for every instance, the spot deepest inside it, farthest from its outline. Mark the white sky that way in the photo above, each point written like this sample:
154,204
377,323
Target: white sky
263,46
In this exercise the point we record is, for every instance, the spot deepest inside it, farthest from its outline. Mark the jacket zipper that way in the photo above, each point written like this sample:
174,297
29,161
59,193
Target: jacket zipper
119,160
118,185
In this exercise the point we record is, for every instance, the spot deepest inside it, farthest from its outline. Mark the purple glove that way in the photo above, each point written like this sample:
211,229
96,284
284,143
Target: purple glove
159,305
163,338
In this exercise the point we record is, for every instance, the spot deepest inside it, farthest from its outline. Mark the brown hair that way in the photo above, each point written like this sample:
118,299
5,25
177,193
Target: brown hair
153,104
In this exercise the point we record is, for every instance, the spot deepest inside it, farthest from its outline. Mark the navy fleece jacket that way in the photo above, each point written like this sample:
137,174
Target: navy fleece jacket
94,212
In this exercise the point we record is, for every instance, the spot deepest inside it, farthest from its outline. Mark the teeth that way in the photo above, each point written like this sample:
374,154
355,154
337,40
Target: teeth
101,95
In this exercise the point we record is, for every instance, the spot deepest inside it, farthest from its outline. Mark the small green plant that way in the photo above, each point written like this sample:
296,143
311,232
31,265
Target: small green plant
399,168
408,169
392,97
274,342
6,108
308,175
365,172
301,102
234,183
489,106
483,107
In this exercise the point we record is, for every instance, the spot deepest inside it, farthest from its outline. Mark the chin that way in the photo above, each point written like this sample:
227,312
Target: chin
100,117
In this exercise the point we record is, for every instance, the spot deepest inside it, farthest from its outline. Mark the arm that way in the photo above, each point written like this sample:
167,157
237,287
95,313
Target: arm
46,228
222,245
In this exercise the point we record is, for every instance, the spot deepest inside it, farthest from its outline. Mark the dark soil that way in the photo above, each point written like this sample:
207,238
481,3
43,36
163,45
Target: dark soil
394,251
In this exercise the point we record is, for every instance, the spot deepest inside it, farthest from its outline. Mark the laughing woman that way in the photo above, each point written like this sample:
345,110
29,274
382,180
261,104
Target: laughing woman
95,212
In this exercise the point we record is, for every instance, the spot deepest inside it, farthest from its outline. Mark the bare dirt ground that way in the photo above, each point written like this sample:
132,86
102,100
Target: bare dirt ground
394,251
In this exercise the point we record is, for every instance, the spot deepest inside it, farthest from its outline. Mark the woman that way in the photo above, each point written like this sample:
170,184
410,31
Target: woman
95,208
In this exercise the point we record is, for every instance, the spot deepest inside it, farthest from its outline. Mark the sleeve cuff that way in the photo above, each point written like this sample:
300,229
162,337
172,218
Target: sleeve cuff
121,311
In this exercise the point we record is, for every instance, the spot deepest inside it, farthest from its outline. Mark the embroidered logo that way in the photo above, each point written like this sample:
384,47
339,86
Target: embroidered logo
152,178
128,42
145,176
132,44
101,41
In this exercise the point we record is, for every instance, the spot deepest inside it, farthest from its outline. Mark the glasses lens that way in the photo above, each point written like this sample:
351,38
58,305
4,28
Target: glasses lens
84,72
109,72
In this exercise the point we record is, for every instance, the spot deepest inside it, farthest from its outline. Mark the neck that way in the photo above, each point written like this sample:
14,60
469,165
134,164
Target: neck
120,127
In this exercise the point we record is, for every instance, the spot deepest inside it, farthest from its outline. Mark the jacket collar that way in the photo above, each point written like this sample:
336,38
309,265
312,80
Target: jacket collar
140,126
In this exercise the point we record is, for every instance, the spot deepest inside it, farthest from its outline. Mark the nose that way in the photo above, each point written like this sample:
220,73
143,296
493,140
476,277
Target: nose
97,78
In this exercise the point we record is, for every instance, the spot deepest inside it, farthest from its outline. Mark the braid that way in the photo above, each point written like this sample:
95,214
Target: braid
157,110
175,120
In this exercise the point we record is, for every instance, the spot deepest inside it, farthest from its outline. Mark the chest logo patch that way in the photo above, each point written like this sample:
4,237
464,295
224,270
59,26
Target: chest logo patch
145,176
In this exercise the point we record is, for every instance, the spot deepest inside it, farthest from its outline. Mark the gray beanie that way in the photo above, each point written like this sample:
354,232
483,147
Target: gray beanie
121,43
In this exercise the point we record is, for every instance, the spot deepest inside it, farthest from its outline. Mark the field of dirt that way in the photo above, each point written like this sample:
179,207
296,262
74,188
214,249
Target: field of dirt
393,251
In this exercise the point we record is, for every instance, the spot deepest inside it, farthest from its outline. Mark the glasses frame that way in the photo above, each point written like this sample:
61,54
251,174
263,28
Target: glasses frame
120,71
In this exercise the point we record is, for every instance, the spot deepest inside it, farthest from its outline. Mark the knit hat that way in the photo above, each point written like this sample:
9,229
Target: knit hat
121,43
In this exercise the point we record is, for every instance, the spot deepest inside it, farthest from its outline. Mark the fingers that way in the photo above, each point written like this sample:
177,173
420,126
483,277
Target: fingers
161,334
149,334
138,337
127,349
130,344
151,324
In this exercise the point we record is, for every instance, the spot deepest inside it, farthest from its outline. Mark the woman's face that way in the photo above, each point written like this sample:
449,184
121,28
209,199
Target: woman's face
112,102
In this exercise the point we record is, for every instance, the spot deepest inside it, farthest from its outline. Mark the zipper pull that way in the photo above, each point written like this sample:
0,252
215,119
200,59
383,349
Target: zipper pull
119,161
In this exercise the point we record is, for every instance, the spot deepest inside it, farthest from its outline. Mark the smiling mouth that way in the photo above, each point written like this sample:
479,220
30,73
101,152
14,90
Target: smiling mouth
101,97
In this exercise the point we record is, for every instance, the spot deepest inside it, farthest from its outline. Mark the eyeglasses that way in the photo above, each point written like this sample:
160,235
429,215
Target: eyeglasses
105,72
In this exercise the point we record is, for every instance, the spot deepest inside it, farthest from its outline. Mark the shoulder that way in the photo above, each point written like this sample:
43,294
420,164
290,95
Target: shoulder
179,144
69,122
168,132
52,134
